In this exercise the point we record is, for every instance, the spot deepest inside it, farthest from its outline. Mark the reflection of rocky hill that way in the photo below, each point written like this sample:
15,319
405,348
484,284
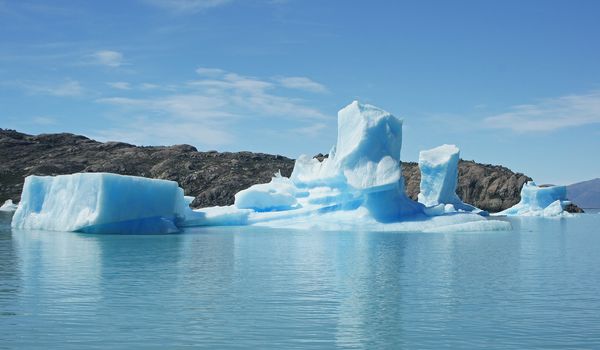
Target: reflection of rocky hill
212,177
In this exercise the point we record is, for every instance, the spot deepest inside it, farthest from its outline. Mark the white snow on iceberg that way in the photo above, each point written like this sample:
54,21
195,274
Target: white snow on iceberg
539,201
439,176
279,194
100,203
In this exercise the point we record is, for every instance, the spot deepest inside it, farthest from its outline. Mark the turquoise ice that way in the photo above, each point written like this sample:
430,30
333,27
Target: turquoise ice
359,186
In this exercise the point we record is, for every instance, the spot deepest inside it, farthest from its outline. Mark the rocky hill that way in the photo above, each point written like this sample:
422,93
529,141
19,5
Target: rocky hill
212,177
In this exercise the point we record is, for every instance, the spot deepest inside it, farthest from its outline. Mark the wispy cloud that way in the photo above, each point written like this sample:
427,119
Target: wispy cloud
210,72
120,85
302,83
108,58
180,107
149,86
187,6
67,88
215,104
143,131
550,114
311,130
42,120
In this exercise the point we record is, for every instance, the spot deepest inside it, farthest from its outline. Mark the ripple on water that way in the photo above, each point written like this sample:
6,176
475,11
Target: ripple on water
534,287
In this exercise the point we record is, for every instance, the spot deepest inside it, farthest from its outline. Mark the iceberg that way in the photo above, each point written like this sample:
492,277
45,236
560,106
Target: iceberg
439,176
358,187
367,153
100,203
279,194
216,216
8,206
539,201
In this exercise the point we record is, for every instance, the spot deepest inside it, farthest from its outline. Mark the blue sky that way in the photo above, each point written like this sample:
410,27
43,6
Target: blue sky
515,83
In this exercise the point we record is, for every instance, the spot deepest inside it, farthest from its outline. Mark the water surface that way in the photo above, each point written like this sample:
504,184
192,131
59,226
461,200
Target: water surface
535,287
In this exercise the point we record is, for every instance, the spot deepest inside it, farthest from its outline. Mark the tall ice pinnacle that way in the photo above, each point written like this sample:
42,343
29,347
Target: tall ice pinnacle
367,153
439,176
366,159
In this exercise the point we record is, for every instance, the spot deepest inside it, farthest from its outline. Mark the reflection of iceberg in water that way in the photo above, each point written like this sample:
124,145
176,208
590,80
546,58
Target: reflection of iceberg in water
359,186
10,274
68,267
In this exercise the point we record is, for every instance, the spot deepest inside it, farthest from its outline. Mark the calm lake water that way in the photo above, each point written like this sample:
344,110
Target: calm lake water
535,287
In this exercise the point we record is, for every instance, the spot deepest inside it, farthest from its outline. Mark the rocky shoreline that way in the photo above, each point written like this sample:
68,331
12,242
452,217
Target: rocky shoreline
212,177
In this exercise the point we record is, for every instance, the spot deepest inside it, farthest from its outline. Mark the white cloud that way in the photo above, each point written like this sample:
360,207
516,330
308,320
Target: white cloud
210,72
218,105
187,6
148,86
302,83
43,121
155,132
68,88
550,114
311,130
180,107
252,94
108,58
233,83
120,85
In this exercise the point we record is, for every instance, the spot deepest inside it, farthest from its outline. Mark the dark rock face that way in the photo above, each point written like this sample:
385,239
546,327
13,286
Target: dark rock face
212,177
320,157
572,208
488,187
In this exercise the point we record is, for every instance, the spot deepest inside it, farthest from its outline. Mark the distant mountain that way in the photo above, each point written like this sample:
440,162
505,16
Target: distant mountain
585,194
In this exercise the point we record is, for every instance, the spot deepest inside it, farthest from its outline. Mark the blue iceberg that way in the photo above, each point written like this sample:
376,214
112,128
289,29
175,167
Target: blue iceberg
358,187
100,203
540,201
439,176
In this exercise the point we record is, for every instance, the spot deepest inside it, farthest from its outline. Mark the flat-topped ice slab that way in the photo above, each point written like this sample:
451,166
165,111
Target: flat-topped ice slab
100,203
